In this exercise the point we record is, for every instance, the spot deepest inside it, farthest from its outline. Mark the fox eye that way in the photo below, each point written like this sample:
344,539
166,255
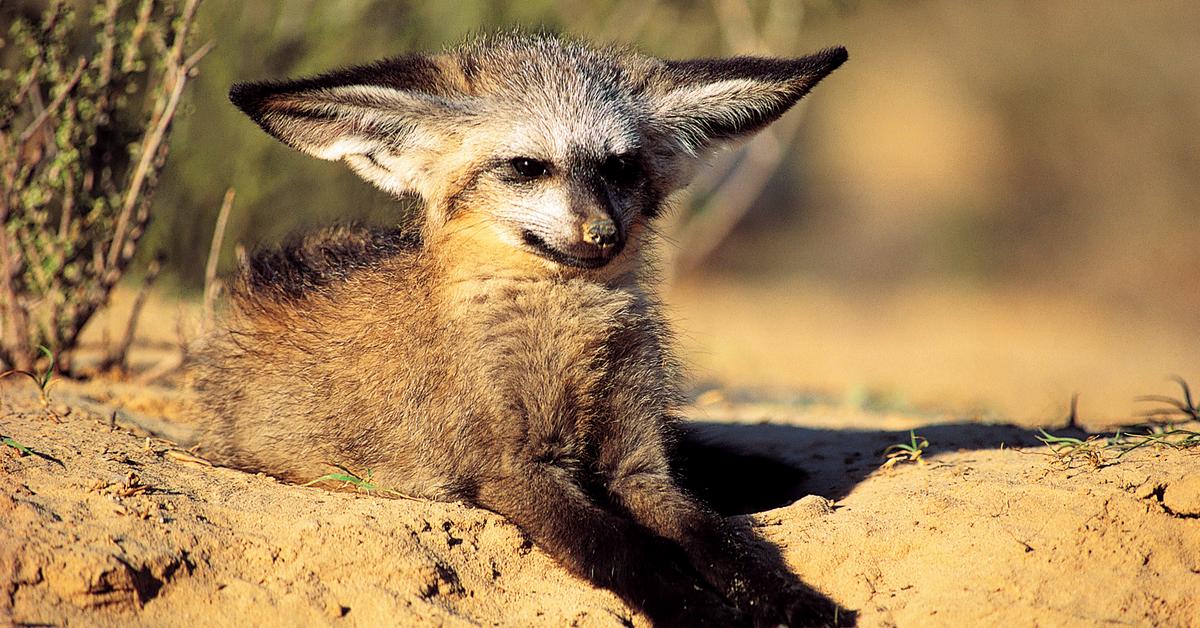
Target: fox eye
529,168
619,169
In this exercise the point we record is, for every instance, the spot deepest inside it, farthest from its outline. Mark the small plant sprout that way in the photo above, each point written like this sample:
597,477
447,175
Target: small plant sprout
1157,436
1165,426
1098,450
1163,430
21,449
912,451
42,380
1068,452
347,477
1176,410
364,483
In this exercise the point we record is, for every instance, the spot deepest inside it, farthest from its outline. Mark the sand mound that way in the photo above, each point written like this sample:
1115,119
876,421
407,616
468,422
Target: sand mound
108,527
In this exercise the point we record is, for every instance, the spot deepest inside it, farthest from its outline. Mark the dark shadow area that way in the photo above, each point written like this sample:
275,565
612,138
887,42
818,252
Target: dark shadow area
740,468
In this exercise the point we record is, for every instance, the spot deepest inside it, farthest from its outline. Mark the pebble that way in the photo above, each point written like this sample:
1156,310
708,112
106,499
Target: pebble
1182,497
812,506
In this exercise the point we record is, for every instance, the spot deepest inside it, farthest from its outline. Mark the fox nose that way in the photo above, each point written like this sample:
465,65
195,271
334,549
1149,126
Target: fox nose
600,231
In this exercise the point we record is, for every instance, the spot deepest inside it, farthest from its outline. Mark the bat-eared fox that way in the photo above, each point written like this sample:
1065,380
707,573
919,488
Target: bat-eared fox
508,350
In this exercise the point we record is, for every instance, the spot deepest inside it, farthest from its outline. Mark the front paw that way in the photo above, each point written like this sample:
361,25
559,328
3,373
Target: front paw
714,613
796,606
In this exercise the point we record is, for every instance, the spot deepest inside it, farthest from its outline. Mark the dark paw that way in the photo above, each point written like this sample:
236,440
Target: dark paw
703,611
716,617
796,607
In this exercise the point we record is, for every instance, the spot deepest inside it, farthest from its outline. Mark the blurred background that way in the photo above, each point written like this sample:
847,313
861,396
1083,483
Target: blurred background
990,208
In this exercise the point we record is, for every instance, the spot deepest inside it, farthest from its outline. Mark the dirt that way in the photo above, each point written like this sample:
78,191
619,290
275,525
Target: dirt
105,526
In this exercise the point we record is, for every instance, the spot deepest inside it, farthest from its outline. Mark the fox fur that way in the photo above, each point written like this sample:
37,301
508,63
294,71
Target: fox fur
509,350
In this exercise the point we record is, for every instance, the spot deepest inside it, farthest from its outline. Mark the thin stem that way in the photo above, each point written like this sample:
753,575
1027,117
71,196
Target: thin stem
118,358
214,255
154,138
45,114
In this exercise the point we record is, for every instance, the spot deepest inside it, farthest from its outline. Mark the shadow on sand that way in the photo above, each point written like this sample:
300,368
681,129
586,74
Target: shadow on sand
745,468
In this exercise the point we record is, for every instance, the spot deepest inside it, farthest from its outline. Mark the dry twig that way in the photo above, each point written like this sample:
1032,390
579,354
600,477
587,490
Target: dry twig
211,286
118,357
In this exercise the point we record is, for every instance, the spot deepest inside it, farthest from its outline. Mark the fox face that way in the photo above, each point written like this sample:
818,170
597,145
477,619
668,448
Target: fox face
533,150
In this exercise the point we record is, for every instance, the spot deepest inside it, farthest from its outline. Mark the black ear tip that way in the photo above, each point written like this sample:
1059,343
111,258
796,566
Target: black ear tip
246,96
831,59
814,67
238,94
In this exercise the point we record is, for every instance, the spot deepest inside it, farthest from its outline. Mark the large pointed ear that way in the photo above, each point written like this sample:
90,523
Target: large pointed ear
699,105
387,120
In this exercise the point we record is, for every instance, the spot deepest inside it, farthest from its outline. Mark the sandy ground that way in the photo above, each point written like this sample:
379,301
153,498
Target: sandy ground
107,527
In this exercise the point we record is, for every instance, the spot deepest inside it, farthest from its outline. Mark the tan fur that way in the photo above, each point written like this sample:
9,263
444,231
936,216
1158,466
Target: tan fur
373,371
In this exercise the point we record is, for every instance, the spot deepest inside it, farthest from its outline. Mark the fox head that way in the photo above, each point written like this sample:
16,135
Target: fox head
537,150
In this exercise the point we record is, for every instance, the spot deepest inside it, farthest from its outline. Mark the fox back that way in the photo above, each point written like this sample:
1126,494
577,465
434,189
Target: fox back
508,350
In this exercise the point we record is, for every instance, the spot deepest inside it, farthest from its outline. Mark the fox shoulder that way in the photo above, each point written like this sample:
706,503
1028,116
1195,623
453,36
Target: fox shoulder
307,264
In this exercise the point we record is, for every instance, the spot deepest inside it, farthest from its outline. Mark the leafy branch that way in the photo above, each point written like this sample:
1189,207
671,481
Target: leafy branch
83,139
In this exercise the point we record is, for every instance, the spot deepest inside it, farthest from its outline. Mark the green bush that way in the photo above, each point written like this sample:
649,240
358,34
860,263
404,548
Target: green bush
86,106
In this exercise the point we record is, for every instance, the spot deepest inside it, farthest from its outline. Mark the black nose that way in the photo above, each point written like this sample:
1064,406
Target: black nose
600,231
